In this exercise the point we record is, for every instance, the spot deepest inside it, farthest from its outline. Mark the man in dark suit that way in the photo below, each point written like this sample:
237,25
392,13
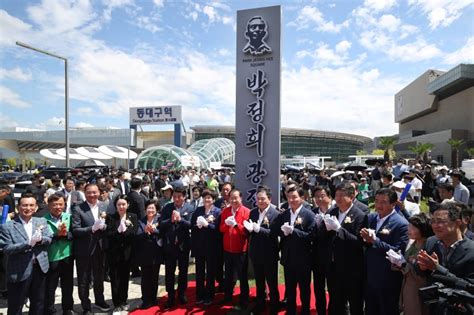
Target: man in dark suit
136,199
295,227
263,250
386,230
176,225
320,247
88,229
346,278
25,241
448,251
123,183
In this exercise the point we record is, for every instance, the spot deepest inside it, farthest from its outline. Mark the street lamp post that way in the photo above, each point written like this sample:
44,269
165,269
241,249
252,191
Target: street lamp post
66,88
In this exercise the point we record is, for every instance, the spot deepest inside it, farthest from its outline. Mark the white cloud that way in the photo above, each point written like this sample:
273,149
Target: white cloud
7,122
85,110
415,51
11,29
9,97
389,22
380,5
323,55
148,23
442,12
159,3
16,74
53,123
345,99
464,55
195,79
83,125
343,46
61,16
311,16
213,11
224,52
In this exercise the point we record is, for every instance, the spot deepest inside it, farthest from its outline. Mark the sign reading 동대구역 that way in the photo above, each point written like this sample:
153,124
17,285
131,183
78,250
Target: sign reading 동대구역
155,115
257,117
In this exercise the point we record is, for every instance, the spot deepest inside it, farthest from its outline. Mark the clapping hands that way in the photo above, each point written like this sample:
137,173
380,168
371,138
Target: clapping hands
201,222
332,223
36,238
395,258
287,229
230,221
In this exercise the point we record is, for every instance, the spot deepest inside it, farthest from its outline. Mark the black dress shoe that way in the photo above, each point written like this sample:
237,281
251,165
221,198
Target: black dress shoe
103,306
169,303
226,300
257,309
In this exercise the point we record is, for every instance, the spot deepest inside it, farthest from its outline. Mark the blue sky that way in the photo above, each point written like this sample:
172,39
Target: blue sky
342,63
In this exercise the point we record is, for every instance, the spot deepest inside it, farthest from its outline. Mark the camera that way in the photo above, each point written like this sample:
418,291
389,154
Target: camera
449,295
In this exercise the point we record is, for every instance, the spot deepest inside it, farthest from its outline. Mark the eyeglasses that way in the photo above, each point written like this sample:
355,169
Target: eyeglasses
439,221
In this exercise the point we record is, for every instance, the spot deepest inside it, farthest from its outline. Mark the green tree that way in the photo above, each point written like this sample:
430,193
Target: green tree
11,162
455,145
387,144
470,152
421,150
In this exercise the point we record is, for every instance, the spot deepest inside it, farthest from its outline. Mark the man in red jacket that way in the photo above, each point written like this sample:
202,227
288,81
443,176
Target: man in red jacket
235,240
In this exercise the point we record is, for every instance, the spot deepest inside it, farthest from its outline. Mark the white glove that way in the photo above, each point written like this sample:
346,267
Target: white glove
332,223
287,229
96,226
199,223
230,221
395,258
372,234
256,227
319,218
203,221
102,225
36,238
248,225
122,227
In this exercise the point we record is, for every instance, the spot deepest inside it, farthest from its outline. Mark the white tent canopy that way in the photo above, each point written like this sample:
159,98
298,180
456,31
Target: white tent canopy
73,154
93,153
118,152
51,154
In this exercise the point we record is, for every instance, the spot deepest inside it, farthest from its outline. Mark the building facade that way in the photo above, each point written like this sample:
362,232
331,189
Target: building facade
434,108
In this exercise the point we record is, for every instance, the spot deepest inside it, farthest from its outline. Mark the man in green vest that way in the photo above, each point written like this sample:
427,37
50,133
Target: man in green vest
60,255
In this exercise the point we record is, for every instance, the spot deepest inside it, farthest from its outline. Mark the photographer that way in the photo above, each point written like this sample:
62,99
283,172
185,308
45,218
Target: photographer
448,251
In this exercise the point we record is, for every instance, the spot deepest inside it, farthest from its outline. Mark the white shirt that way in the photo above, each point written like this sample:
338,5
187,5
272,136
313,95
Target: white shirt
381,221
342,215
294,215
94,210
262,214
28,228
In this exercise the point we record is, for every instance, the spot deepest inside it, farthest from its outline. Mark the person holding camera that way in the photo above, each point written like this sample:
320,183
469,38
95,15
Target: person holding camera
449,251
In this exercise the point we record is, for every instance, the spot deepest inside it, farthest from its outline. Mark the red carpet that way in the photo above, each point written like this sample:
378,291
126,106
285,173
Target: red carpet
192,308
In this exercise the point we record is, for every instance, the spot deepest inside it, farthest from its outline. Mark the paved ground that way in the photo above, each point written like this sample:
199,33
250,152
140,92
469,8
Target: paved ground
134,294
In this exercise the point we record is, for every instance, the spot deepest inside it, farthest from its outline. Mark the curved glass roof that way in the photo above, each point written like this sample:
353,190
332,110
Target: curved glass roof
208,150
213,150
163,155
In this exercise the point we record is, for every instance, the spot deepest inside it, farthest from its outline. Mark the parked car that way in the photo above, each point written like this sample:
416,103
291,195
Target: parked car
61,171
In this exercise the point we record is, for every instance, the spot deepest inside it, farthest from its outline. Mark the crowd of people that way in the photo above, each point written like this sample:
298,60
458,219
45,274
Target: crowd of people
361,236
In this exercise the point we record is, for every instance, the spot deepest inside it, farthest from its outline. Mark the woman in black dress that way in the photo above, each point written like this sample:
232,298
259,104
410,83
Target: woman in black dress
121,230
149,253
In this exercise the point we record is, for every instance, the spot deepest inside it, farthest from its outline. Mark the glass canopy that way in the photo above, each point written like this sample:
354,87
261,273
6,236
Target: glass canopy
209,150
